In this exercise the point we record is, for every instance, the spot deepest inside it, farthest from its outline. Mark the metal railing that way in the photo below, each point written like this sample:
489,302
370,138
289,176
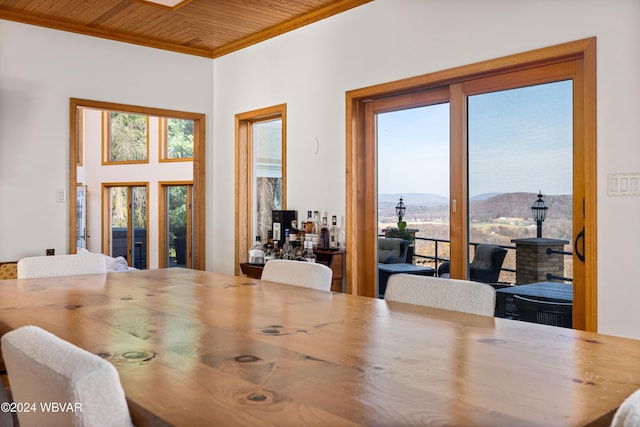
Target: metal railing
438,260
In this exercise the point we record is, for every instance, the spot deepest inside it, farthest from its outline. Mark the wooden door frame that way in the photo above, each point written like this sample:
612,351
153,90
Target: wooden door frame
361,165
199,142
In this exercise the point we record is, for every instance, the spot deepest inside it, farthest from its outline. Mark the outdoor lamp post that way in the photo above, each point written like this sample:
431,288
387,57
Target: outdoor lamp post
539,213
400,210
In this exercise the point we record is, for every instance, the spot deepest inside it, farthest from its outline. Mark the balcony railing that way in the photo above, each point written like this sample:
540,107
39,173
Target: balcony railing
437,259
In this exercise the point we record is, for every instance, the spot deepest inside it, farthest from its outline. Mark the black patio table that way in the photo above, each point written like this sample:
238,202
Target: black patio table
545,291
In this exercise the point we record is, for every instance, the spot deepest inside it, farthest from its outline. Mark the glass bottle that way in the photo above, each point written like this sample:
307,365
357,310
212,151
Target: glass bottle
288,251
324,234
256,253
308,226
293,233
309,256
316,223
334,234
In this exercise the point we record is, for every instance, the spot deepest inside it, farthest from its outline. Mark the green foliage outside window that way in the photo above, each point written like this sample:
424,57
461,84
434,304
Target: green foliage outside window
128,137
179,139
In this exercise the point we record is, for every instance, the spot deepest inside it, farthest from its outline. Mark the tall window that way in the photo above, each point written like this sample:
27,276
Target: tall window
126,233
176,222
261,174
267,173
125,138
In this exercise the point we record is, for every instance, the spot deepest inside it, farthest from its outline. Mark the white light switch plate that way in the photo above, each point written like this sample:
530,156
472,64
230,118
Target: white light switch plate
623,184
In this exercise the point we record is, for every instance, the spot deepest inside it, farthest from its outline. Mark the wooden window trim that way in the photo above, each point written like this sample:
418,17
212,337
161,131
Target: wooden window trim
244,174
360,181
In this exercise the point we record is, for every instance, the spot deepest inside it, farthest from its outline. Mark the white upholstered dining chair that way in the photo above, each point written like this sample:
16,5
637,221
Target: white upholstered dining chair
628,414
298,273
43,368
61,265
448,294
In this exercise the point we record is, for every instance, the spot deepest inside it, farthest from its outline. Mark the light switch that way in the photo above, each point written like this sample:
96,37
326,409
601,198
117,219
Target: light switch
61,196
623,184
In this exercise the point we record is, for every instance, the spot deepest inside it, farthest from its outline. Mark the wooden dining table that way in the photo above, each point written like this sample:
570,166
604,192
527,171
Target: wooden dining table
195,348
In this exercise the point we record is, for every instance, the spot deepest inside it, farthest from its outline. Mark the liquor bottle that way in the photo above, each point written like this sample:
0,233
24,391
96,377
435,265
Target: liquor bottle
308,226
288,252
334,234
324,234
256,253
309,256
316,223
293,233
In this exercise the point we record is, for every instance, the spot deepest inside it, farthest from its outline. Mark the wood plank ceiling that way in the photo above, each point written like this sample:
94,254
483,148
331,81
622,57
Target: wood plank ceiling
209,28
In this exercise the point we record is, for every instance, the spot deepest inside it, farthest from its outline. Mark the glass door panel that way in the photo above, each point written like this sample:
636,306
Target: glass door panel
128,224
413,163
119,198
179,219
520,142
139,228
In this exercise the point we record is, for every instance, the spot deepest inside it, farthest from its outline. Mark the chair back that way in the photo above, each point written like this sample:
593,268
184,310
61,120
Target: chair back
44,369
546,312
298,273
392,250
487,262
61,265
448,294
628,414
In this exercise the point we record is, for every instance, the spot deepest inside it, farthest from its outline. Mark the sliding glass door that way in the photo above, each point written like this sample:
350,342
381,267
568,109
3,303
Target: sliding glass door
520,144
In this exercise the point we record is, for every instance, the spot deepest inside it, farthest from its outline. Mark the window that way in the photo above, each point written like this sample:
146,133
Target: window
267,173
176,224
176,139
261,174
126,138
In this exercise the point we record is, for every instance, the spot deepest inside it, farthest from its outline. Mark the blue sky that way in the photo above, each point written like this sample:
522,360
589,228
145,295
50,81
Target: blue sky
519,140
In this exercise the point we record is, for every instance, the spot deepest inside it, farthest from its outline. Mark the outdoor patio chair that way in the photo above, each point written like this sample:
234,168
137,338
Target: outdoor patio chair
486,264
545,312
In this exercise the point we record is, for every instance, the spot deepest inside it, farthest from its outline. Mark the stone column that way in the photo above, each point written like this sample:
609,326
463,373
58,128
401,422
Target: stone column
533,263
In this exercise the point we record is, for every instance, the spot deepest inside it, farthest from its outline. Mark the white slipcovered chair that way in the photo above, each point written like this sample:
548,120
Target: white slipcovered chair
43,368
61,265
448,294
298,273
628,414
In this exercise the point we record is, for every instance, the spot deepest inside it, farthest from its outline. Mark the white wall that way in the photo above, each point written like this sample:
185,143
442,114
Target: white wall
311,69
40,69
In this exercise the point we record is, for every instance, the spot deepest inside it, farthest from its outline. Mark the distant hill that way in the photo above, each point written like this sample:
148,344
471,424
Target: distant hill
484,207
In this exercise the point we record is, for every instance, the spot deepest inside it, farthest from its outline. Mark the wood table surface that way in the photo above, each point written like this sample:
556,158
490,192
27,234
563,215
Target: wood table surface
196,349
